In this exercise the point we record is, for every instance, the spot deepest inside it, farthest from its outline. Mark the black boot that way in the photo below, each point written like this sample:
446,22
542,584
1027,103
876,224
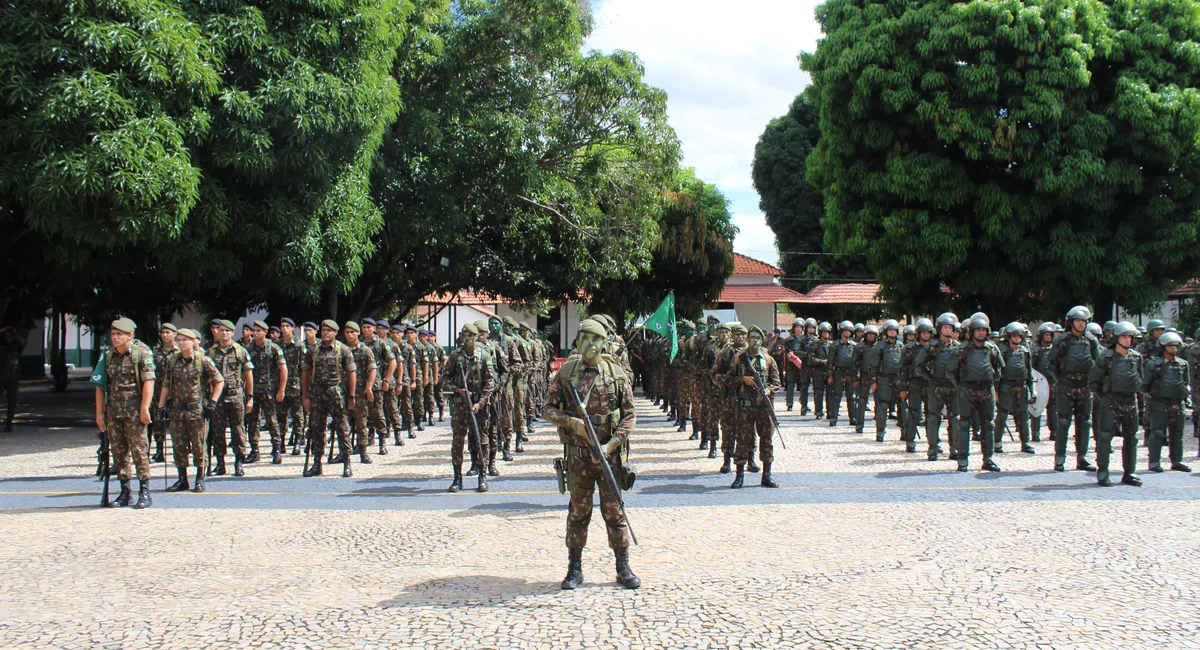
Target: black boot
712,449
419,428
473,469
143,501
199,487
315,470
483,486
362,458
767,481
296,447
740,477
253,457
456,484
725,468
522,437
238,470
277,453
574,569
520,448
505,453
441,415
703,440
158,453
491,468
625,577
396,439
220,470
695,434
182,483
346,473
752,466
122,499
383,446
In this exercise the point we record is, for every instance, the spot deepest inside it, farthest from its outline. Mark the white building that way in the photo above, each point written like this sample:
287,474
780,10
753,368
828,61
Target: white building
753,291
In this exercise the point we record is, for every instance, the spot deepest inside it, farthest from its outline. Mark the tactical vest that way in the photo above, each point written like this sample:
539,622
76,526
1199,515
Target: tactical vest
1124,373
977,363
891,358
943,359
871,356
1077,355
843,356
1172,380
1016,364
798,344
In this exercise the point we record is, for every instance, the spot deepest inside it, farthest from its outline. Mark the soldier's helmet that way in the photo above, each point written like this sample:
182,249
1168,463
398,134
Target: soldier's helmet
858,327
798,322
845,326
810,322
1046,327
825,327
910,329
924,325
1079,312
979,321
1170,338
1155,324
871,329
1124,328
948,318
1108,327
890,324
1094,329
1014,328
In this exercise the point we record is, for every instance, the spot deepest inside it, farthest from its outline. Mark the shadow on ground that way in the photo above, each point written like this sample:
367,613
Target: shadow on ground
458,591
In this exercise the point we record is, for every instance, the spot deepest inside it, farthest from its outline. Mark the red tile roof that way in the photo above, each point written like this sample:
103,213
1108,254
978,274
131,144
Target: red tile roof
758,293
841,294
462,298
1186,291
743,265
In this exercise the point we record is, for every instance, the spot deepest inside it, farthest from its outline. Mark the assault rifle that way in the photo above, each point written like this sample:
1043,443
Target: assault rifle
476,436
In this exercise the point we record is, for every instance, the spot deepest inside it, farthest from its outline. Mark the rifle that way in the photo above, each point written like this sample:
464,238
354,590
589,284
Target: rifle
104,467
476,436
759,387
598,454
308,435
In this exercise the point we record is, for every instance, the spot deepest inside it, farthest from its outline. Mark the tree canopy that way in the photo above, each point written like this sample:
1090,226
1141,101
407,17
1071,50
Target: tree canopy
1021,155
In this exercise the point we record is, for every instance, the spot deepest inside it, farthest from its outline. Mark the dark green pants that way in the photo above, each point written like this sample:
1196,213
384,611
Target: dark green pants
1118,419
1166,427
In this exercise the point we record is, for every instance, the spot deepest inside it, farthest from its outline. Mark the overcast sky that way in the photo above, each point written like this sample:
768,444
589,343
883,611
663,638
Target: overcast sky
728,69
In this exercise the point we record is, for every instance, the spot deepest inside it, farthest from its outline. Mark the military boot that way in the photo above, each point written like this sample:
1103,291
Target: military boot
220,470
574,569
199,487
703,440
683,426
482,486
725,469
522,437
158,453
238,470
419,428
767,481
143,501
277,453
520,448
396,439
296,447
505,454
456,484
712,449
362,457
253,457
346,473
696,434
740,477
625,576
383,446
491,469
752,466
441,415
529,425
122,499
182,483
315,470
473,468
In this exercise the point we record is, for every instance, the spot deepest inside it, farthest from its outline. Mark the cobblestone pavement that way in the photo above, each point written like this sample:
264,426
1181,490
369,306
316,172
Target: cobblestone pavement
865,546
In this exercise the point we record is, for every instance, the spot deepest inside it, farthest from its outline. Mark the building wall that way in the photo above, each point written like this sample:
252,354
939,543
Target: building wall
751,279
761,314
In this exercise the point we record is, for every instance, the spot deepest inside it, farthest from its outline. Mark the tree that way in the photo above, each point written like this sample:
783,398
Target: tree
1022,155
694,257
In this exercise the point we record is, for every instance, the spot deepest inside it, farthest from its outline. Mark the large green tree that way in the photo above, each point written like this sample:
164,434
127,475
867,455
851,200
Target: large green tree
1021,155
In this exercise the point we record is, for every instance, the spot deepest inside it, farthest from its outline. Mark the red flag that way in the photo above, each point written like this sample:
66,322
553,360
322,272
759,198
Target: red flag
795,360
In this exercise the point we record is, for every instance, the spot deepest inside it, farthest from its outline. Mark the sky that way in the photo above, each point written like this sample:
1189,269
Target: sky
728,69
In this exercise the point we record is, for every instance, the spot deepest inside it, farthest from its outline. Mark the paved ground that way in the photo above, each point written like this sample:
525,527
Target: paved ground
865,546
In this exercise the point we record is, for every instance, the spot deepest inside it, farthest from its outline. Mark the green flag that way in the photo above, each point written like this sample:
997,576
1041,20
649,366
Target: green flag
662,322
100,375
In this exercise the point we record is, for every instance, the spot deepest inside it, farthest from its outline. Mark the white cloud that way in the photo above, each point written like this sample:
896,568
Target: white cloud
728,70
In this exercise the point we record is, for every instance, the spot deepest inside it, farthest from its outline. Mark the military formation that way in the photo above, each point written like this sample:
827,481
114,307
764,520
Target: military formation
1100,382
364,384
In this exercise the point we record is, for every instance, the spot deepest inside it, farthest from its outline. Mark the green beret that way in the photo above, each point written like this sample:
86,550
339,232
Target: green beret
330,323
481,325
262,324
124,325
188,334
593,327
526,326
604,320
756,328
170,327
228,324
351,325
737,327
509,320
722,326
470,328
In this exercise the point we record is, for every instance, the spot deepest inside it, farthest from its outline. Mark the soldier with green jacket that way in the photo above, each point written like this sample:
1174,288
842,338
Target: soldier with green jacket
289,412
1166,385
1072,357
163,351
234,363
364,392
420,378
385,370
123,409
191,387
977,370
843,361
270,380
470,362
935,365
1016,386
328,384
869,357
1116,377
886,365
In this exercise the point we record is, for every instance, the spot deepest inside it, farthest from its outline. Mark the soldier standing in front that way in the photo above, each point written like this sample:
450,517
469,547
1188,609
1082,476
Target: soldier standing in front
1116,377
1166,387
468,361
328,380
754,419
185,376
123,409
234,363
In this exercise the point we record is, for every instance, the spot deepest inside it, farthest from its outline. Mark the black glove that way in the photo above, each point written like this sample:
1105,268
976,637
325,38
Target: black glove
210,406
163,415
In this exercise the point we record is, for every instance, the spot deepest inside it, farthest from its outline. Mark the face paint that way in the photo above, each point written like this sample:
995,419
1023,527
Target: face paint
754,339
589,348
739,339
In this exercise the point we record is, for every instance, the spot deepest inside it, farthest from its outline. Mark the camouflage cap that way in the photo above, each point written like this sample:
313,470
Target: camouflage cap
226,323
722,326
526,326
738,327
713,319
351,325
604,320
261,325
330,323
125,325
509,320
756,329
170,327
593,327
688,324
470,328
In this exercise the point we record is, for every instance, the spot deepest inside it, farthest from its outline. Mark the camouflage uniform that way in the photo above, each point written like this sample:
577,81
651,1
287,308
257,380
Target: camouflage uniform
417,399
364,411
1117,380
231,411
161,354
753,417
432,354
608,400
376,418
1166,385
935,365
267,359
290,411
123,398
513,364
328,368
404,398
188,385
710,426
481,382
1071,360
391,396
720,369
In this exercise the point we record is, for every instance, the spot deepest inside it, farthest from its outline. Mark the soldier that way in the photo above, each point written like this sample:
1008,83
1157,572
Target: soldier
123,409
492,409
1166,386
935,365
608,401
711,397
792,345
533,389
843,358
274,333
1016,386
817,360
1041,363
753,416
976,372
719,371
10,371
468,360
1071,360
439,362
1116,377
433,380
289,412
408,372
385,366
1193,358
886,368
185,376
869,357
270,378
804,377
391,387
420,378
247,335
163,351
914,389
363,393
328,383
211,340
510,365
234,363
